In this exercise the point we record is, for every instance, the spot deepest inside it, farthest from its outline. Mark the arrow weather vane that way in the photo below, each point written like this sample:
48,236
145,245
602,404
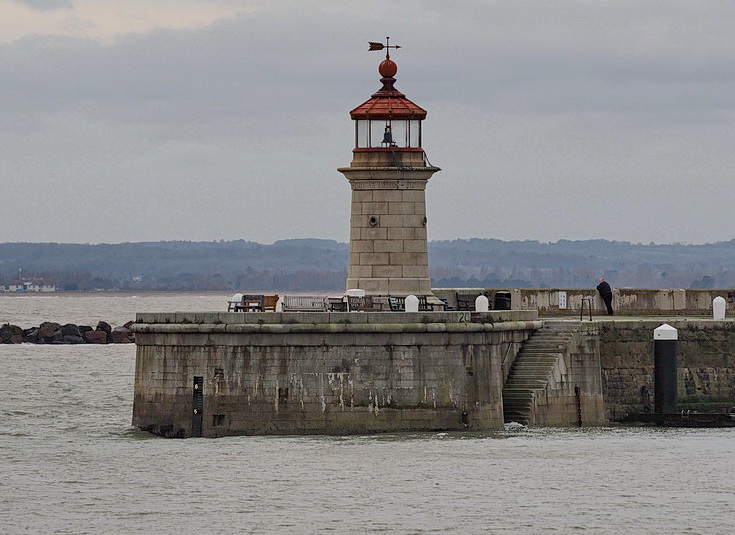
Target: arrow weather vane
381,46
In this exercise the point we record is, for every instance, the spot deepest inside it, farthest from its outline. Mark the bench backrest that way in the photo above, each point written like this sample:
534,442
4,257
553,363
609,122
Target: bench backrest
466,301
270,302
304,303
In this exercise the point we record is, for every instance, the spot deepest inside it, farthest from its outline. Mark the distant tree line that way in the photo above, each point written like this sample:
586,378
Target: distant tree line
321,265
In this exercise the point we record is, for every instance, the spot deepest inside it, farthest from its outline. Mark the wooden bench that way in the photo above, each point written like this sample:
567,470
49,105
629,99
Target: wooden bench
304,303
253,303
270,302
356,303
398,304
336,304
466,301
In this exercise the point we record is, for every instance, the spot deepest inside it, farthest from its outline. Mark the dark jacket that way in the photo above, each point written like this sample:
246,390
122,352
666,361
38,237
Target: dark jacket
604,289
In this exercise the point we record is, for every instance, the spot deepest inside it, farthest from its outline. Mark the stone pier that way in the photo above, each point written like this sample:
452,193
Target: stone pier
216,374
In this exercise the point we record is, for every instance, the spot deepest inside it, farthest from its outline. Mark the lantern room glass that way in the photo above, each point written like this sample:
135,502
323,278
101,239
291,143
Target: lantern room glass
388,133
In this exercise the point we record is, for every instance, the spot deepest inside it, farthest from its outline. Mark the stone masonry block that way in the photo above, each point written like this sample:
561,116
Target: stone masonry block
414,196
419,208
363,196
408,259
362,246
358,272
374,285
388,271
373,233
374,208
402,208
414,246
374,259
412,221
356,208
404,286
401,233
387,196
388,246
390,221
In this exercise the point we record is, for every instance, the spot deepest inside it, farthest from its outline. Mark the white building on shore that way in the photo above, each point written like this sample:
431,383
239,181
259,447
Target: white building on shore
29,285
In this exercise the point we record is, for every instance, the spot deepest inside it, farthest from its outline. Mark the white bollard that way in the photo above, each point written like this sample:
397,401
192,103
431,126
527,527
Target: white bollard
412,303
482,303
718,308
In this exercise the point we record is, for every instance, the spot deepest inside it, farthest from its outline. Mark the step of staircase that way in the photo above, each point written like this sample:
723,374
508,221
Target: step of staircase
532,367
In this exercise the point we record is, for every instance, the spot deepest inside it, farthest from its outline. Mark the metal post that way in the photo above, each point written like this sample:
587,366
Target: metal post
665,348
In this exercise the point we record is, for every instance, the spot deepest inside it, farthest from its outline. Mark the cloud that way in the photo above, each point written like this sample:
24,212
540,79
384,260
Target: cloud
550,119
46,5
107,20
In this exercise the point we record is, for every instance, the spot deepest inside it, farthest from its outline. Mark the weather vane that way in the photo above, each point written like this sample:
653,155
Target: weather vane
381,46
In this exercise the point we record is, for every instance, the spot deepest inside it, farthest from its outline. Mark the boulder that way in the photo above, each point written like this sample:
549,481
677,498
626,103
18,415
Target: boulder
70,334
84,329
96,337
57,338
121,335
11,334
30,336
47,330
104,326
6,332
72,339
70,330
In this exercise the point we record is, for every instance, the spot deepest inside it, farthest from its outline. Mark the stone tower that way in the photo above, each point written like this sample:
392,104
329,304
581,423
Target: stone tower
388,176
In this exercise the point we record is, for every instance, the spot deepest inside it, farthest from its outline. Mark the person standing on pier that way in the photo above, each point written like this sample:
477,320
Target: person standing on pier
606,294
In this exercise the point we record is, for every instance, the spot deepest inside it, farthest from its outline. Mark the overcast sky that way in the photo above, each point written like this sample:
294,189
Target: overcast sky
145,120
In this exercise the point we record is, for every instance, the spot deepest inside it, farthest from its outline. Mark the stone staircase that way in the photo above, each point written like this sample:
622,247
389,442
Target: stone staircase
532,368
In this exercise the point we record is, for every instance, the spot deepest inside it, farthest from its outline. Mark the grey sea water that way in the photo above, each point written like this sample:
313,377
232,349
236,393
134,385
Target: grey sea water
71,463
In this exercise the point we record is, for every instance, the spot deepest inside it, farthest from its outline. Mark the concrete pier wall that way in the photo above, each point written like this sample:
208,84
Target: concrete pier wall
630,301
324,373
574,392
705,363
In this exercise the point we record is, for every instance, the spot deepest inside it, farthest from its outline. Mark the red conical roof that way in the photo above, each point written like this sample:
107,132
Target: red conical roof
388,102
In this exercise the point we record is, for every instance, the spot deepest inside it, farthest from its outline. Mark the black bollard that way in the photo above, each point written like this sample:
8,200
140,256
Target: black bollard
665,345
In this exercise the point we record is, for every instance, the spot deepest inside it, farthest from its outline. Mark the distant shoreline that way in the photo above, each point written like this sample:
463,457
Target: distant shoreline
144,293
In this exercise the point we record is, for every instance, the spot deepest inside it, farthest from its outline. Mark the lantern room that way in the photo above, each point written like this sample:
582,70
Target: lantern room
388,176
388,121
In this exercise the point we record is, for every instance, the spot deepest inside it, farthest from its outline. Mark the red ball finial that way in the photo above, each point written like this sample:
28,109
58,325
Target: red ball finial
388,68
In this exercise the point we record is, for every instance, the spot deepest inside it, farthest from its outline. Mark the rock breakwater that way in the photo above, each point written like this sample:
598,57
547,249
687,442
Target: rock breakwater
55,333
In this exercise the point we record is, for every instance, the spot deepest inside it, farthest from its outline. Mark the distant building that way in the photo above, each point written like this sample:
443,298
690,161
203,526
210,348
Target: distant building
30,285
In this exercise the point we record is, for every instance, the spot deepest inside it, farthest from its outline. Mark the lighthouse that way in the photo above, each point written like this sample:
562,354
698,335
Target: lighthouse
388,176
